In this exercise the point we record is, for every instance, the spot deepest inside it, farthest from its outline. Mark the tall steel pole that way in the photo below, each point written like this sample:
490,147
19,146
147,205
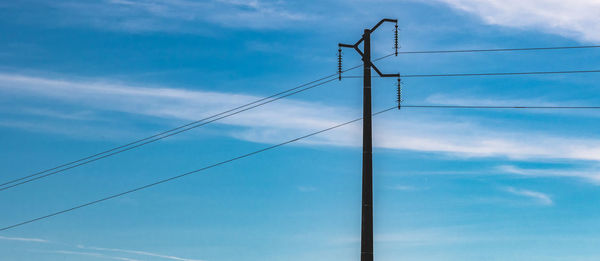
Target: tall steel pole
366,242
366,245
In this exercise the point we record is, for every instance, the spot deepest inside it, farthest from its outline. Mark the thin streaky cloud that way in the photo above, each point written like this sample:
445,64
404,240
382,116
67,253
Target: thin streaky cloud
444,99
92,254
462,137
99,255
415,237
468,100
591,175
574,19
541,198
22,239
179,15
137,252
403,188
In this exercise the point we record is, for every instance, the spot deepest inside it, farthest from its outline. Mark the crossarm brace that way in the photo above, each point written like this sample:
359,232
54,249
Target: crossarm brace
355,47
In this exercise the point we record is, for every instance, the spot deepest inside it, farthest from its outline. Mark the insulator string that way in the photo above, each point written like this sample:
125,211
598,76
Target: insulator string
399,93
396,40
339,64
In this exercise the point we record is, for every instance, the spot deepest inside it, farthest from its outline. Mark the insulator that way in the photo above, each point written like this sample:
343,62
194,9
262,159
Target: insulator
339,64
399,93
396,39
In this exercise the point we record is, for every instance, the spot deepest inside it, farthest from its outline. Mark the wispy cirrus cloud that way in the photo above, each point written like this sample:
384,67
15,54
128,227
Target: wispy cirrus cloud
463,137
416,237
575,18
141,253
178,15
23,239
591,175
444,99
92,254
470,100
99,252
172,103
404,188
539,197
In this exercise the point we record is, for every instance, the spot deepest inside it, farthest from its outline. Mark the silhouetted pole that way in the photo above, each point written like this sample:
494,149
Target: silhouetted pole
366,245
366,240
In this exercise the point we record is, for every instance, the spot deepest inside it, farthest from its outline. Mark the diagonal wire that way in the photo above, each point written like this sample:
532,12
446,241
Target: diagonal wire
275,146
171,132
158,138
187,173
167,131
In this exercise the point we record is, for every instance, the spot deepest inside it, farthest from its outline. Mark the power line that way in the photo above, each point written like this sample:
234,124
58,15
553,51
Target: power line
228,113
171,132
500,49
281,144
323,78
481,74
497,107
161,137
188,173
162,133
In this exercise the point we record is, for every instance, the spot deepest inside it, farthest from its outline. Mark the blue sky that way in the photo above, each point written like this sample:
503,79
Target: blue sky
80,77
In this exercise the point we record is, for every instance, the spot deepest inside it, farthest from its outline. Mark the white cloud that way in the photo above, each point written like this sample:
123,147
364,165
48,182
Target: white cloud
473,140
137,252
97,254
92,254
425,237
403,188
415,237
178,15
574,18
444,99
468,100
539,197
589,175
22,239
287,118
180,104
258,14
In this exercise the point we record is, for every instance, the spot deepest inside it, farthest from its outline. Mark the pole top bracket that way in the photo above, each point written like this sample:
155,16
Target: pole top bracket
355,47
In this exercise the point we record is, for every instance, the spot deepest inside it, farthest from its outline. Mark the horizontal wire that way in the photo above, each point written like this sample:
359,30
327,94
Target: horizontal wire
188,173
500,49
281,144
284,143
496,107
312,134
165,134
478,74
254,102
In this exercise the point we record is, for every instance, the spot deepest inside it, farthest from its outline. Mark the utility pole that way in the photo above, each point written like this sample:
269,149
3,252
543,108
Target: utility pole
366,242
